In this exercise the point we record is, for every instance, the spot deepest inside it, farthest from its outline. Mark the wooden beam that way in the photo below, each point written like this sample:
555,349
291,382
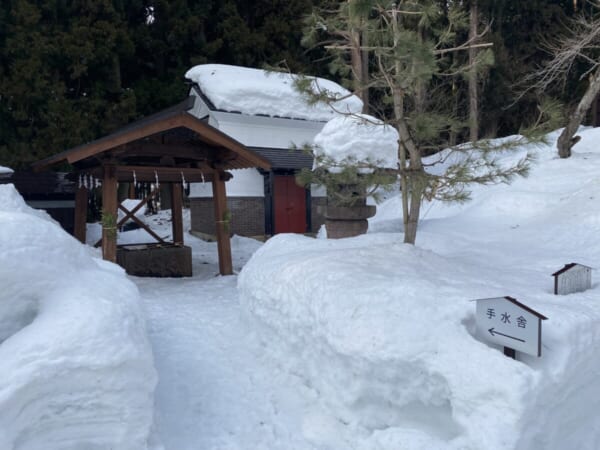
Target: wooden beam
182,151
144,227
222,226
177,213
80,219
224,144
131,215
214,136
109,213
165,174
109,142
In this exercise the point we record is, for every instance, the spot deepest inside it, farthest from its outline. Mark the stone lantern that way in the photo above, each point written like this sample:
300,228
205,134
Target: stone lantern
353,155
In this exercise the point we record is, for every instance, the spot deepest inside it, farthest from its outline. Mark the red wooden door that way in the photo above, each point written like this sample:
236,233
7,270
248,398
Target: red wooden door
289,203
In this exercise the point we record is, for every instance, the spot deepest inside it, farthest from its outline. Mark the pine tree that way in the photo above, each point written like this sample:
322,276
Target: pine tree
516,29
411,46
258,32
60,83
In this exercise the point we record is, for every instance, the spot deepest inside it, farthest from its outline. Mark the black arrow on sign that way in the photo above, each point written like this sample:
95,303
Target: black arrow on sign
494,332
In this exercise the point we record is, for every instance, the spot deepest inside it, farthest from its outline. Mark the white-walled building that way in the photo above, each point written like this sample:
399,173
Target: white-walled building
267,114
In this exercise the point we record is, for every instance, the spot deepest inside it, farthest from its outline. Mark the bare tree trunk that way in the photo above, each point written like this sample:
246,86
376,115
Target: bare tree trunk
473,94
414,182
420,85
365,72
360,65
567,138
399,112
453,135
357,65
411,175
416,195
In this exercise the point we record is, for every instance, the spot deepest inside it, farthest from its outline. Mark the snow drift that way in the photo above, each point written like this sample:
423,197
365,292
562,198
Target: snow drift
77,369
385,332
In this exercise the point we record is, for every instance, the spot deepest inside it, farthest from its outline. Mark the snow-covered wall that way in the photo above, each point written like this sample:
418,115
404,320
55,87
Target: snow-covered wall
266,132
76,366
245,183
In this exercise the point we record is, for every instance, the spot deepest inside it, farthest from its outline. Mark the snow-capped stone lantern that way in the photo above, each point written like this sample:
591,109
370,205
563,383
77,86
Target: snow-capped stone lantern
354,155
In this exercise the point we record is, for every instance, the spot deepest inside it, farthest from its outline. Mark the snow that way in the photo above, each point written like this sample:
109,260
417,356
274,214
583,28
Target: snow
258,92
76,364
361,343
385,332
5,170
130,205
360,139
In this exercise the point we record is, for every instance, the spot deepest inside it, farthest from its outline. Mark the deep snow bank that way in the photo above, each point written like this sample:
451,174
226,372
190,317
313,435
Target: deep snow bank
384,332
76,367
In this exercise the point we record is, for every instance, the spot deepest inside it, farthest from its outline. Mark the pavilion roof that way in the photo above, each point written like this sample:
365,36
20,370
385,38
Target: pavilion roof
172,139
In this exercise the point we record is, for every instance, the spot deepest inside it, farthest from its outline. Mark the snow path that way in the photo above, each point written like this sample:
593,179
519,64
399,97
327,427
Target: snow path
215,390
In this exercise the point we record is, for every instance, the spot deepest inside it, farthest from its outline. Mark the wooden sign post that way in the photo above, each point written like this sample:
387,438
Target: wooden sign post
508,322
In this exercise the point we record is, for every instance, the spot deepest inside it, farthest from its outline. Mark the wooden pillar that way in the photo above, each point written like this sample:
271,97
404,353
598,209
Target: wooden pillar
81,200
177,213
109,213
222,224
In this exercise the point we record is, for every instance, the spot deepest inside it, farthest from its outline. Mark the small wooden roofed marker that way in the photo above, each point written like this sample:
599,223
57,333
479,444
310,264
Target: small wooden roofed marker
573,277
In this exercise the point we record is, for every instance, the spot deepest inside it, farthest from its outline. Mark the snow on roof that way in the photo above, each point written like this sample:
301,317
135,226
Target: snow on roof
258,92
5,170
360,138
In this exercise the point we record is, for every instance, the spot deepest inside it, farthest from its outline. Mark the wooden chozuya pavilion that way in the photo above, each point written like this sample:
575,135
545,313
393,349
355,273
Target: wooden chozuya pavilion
170,146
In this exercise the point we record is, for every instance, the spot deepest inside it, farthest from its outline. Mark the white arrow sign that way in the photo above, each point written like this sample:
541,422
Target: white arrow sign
508,322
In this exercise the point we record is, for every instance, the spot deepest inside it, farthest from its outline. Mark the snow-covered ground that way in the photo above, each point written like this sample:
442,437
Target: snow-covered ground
362,343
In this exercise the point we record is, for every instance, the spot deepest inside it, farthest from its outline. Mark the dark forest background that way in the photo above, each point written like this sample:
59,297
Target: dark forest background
71,71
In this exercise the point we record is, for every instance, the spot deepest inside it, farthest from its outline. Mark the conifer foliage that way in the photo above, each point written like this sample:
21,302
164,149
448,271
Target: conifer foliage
72,71
411,50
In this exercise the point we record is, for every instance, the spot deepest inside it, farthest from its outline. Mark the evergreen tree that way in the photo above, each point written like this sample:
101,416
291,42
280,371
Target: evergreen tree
60,83
168,38
252,33
517,29
412,46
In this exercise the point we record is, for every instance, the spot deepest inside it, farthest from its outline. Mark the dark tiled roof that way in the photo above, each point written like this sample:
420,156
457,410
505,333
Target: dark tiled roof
285,158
